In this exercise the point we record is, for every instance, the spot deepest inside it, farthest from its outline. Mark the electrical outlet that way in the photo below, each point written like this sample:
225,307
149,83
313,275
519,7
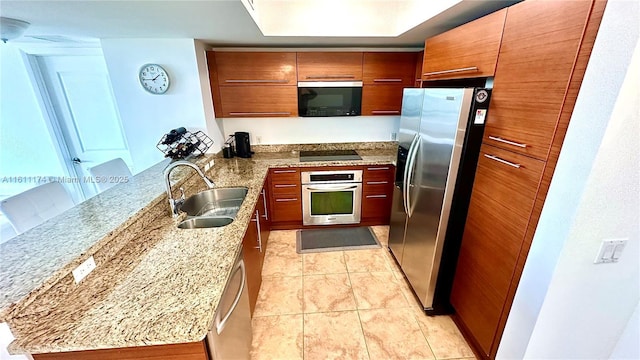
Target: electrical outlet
84,269
394,136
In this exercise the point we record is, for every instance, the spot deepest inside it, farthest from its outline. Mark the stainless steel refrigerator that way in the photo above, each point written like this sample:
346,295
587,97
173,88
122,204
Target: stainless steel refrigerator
439,142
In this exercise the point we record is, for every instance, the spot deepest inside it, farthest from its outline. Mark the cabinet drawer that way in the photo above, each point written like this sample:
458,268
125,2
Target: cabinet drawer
376,206
381,68
501,203
470,50
539,47
259,101
375,187
285,174
285,188
256,68
286,208
382,99
379,172
329,66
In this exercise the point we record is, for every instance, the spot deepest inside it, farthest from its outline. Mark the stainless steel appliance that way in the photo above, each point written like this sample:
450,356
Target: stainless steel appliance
230,335
329,98
331,197
439,142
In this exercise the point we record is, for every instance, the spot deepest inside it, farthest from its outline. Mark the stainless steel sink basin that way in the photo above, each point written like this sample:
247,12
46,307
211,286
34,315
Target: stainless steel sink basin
205,222
212,208
215,202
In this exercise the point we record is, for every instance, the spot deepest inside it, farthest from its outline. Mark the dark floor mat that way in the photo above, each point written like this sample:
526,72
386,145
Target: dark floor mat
324,240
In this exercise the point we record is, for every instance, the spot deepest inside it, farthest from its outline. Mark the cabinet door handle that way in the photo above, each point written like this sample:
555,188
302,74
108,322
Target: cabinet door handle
283,171
517,166
472,68
264,203
387,80
285,185
286,200
375,196
383,112
377,182
327,76
257,81
257,220
499,139
378,168
259,113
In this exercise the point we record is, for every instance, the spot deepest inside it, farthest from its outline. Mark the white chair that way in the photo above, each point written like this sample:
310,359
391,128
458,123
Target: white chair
109,172
34,206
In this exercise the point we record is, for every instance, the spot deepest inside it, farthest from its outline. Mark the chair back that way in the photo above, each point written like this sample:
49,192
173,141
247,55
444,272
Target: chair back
110,173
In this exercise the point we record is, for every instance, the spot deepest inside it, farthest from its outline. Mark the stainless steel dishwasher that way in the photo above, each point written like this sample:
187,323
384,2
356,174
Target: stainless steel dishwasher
230,335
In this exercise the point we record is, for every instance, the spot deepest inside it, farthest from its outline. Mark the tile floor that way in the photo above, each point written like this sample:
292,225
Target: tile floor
344,305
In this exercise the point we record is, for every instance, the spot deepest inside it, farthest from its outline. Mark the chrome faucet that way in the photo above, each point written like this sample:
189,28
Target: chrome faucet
175,204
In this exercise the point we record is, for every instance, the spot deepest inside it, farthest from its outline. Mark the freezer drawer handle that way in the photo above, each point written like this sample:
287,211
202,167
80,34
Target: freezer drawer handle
220,324
495,138
517,166
472,68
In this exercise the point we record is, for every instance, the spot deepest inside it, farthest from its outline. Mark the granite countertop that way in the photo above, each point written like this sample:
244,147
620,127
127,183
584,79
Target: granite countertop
154,284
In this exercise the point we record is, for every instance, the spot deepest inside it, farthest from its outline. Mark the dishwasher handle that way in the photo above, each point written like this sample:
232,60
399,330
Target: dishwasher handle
221,323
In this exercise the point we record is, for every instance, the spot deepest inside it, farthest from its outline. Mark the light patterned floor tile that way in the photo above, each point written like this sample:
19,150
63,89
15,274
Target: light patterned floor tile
393,334
281,264
279,296
277,337
382,233
323,263
334,335
366,260
377,290
330,292
443,336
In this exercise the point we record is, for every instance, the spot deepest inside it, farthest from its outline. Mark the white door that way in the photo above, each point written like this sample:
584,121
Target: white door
84,107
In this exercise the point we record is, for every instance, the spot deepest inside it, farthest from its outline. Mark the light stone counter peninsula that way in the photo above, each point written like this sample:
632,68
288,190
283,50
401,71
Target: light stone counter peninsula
154,283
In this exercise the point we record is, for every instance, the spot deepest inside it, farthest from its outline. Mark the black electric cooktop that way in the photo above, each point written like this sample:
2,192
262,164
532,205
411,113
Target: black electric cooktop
329,155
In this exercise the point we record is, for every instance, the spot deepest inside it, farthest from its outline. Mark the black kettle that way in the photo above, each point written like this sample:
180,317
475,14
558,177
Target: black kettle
243,144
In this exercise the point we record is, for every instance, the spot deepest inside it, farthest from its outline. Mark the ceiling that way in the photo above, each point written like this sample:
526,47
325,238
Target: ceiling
217,22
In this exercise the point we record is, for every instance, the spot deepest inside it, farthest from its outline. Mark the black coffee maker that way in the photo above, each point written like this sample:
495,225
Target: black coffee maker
243,144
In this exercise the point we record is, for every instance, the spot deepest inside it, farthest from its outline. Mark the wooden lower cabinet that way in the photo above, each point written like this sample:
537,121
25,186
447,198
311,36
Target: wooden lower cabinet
377,193
501,203
187,351
285,198
254,246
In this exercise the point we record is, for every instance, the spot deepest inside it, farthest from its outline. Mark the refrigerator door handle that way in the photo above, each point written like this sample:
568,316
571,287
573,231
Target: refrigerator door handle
405,175
409,173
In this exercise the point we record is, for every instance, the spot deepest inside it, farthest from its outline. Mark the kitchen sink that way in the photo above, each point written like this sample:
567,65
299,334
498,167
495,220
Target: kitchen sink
212,208
215,202
205,222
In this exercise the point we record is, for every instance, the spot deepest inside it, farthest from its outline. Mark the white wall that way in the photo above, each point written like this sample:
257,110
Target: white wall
23,130
306,130
214,126
146,117
566,306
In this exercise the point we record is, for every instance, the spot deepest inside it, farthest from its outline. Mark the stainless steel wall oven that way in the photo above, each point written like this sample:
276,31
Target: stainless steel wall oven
331,197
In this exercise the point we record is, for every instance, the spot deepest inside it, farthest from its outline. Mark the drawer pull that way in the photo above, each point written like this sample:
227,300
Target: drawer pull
284,171
383,112
286,200
517,166
265,81
377,182
285,185
375,196
378,168
387,80
326,76
498,139
472,68
259,113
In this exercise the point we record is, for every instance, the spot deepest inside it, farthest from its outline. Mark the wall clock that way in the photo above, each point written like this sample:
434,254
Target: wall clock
154,78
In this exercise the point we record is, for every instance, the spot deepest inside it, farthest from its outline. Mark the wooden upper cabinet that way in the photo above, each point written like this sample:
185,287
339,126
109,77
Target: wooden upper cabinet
329,66
259,101
503,196
418,66
382,99
537,56
380,68
470,50
251,68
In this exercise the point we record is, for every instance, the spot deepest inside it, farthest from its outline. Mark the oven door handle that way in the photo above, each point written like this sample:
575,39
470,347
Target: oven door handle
331,187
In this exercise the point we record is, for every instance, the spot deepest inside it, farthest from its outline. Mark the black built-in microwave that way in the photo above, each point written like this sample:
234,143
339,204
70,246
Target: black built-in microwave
331,98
